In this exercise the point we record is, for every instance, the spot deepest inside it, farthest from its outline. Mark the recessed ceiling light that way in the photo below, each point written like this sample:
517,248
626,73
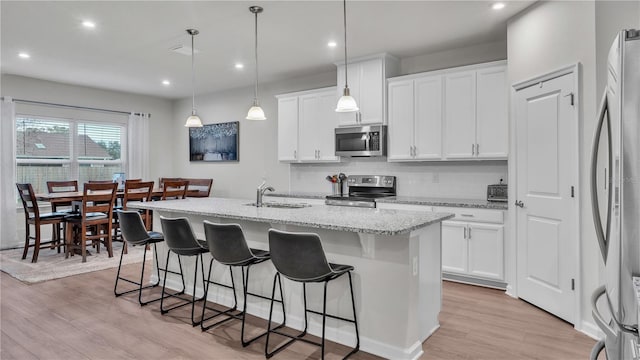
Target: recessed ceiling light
497,6
332,44
239,66
89,24
24,55
166,82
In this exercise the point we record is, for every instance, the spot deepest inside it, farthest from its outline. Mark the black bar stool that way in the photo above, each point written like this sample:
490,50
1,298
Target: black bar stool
179,237
135,233
300,257
228,246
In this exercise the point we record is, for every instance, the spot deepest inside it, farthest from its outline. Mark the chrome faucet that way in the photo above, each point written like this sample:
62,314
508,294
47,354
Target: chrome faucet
262,188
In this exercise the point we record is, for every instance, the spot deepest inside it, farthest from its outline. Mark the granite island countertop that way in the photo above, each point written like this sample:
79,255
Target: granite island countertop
409,200
340,218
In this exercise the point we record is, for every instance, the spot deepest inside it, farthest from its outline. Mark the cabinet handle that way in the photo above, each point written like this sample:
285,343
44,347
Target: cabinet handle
465,232
477,149
295,154
467,215
473,149
318,154
415,151
469,233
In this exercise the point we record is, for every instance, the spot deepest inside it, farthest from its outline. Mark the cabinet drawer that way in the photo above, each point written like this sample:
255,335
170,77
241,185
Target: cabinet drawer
474,215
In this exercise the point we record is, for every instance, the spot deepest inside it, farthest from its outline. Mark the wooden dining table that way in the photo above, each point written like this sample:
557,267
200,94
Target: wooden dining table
66,197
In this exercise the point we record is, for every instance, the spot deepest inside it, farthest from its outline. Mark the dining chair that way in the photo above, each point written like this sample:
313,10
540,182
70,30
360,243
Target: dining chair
199,187
175,189
94,222
32,216
61,206
134,190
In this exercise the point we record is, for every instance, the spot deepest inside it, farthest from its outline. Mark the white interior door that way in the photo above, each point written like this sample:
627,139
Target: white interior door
546,171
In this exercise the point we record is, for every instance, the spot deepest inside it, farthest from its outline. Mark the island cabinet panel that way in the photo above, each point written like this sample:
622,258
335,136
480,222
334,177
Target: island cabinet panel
306,123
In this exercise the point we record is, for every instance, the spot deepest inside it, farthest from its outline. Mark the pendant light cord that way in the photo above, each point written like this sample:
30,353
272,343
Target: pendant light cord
193,77
344,4
255,99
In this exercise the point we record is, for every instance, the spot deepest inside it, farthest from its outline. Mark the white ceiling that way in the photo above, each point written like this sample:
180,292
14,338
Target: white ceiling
129,48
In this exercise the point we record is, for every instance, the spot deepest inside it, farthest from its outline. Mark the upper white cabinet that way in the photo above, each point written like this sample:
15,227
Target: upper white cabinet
476,123
306,123
452,114
415,119
367,84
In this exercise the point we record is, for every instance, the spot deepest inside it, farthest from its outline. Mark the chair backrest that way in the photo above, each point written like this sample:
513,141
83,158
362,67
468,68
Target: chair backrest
100,181
179,236
62,186
298,256
175,189
199,187
29,202
132,227
163,179
227,243
133,180
136,191
99,197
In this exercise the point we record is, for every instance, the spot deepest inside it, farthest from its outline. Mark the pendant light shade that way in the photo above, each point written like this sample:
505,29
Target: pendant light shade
193,120
346,103
256,112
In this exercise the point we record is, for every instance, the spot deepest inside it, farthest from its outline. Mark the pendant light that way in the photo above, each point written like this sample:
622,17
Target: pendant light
346,103
193,120
256,112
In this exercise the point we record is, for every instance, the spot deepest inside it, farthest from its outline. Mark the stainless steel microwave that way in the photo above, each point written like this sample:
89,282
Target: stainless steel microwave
361,141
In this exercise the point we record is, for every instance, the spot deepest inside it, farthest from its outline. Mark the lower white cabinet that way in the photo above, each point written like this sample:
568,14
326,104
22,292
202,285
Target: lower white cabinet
474,249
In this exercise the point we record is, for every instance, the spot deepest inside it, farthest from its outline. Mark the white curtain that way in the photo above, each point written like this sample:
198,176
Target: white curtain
138,147
8,228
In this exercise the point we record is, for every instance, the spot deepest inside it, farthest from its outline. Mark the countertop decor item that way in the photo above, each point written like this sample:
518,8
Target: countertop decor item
256,112
346,103
193,120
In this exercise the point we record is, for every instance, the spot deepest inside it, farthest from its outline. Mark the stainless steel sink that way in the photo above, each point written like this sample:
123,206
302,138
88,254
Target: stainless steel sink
282,205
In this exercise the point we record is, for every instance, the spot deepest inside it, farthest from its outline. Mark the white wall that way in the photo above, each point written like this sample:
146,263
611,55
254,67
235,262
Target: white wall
469,55
26,88
550,35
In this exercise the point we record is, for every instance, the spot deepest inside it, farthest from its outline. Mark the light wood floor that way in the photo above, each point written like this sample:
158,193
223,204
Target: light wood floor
78,317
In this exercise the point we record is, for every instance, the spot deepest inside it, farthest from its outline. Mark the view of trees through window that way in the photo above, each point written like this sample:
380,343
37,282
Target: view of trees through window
54,149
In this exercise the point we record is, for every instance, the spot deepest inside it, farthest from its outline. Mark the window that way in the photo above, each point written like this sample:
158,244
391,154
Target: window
60,149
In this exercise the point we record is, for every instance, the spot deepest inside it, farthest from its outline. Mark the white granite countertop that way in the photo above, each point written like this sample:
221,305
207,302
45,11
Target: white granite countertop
340,218
411,200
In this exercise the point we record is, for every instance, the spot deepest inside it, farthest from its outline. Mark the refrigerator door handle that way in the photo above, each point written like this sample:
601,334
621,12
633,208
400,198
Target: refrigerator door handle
601,235
602,324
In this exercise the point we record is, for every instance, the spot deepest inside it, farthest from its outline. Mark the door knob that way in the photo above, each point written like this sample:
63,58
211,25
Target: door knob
519,203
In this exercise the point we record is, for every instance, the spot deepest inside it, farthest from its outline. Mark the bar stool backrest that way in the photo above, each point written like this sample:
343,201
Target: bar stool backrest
227,243
132,227
179,236
298,256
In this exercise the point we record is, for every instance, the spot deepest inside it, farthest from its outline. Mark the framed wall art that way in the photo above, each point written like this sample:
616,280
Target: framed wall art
215,142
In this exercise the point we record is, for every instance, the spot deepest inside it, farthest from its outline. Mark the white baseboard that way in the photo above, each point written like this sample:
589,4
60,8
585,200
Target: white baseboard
590,329
342,336
510,291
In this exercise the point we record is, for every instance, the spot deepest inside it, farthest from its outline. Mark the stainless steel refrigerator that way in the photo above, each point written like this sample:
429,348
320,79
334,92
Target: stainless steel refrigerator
615,195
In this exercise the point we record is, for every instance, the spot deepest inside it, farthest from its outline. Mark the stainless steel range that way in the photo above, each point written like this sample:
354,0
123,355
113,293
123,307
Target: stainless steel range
364,190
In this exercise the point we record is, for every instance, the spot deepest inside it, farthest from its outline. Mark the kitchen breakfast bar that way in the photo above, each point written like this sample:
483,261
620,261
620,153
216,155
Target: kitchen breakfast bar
396,255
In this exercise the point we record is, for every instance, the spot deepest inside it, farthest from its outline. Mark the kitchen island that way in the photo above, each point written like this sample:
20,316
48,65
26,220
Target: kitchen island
396,255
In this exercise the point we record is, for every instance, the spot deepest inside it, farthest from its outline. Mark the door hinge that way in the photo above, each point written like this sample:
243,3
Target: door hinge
572,100
573,284
573,192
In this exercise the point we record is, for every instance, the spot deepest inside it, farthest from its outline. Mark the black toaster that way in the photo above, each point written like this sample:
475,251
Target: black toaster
497,192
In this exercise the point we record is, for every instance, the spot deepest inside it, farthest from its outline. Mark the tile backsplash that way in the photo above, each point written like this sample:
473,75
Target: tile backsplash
460,179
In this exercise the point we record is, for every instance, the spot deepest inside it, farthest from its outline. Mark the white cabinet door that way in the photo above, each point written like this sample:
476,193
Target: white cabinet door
288,128
460,115
486,248
492,127
454,247
349,118
371,91
400,130
327,122
428,118
309,127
